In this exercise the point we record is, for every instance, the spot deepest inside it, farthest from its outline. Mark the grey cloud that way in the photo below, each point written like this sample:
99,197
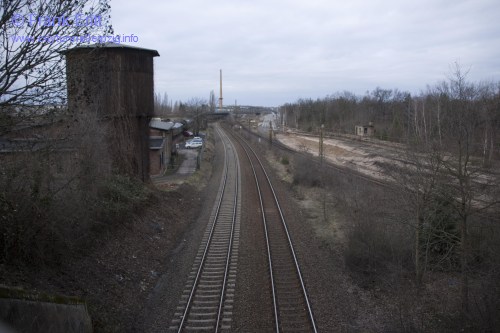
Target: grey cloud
274,51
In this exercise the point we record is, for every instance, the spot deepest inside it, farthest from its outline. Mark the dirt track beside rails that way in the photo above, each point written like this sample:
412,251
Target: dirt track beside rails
367,157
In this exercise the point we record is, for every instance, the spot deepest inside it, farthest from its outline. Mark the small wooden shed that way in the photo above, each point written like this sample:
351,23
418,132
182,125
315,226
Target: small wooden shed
365,130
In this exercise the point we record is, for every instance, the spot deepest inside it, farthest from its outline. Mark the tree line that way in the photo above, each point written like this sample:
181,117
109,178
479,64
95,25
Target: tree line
402,117
165,107
444,199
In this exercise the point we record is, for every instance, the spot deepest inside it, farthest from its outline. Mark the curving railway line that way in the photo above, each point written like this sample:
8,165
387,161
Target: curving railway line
206,303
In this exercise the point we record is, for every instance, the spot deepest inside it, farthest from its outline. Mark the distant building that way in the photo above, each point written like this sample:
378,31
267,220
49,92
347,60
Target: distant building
160,145
366,130
158,155
163,137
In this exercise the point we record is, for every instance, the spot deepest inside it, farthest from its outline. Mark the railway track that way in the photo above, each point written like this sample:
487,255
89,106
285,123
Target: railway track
207,300
291,306
327,164
387,185
206,303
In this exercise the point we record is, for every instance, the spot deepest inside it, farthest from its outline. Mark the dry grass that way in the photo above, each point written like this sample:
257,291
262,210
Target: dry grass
366,227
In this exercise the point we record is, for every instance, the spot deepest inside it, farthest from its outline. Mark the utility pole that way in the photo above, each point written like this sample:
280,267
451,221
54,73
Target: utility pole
321,143
322,172
283,116
270,132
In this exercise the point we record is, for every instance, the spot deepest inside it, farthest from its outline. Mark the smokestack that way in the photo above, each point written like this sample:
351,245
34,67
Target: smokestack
220,95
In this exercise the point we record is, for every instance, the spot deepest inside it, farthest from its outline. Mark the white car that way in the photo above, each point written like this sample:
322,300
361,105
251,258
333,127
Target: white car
194,143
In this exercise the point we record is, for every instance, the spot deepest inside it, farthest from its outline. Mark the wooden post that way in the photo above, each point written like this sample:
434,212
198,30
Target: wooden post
321,143
270,132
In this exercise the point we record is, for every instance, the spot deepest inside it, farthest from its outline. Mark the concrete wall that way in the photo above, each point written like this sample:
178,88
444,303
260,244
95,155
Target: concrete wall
33,313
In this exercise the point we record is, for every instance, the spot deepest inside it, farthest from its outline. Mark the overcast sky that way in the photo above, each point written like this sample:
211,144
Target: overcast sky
276,51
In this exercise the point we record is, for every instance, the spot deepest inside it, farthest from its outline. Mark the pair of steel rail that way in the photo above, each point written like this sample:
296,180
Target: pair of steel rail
206,303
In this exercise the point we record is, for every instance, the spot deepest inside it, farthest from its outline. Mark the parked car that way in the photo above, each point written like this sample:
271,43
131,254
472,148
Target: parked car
194,143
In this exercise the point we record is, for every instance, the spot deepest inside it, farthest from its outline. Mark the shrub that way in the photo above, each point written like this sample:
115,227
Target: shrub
440,235
305,172
53,200
120,196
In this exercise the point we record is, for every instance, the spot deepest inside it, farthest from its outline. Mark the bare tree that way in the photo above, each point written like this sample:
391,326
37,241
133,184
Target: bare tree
443,179
470,186
47,184
195,108
489,105
211,101
161,104
32,33
419,184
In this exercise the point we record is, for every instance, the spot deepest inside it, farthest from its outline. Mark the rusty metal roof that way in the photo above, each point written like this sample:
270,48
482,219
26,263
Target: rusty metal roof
161,125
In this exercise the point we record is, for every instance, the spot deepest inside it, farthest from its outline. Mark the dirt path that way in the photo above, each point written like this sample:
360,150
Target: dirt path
363,156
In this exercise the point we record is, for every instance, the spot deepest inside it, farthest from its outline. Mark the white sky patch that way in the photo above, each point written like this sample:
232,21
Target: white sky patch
276,51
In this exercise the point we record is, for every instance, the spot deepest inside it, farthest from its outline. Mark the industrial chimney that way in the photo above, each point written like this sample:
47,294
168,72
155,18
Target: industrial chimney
220,95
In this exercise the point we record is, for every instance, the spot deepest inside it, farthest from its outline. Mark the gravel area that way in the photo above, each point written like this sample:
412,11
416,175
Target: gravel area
335,298
364,156
253,294
331,293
